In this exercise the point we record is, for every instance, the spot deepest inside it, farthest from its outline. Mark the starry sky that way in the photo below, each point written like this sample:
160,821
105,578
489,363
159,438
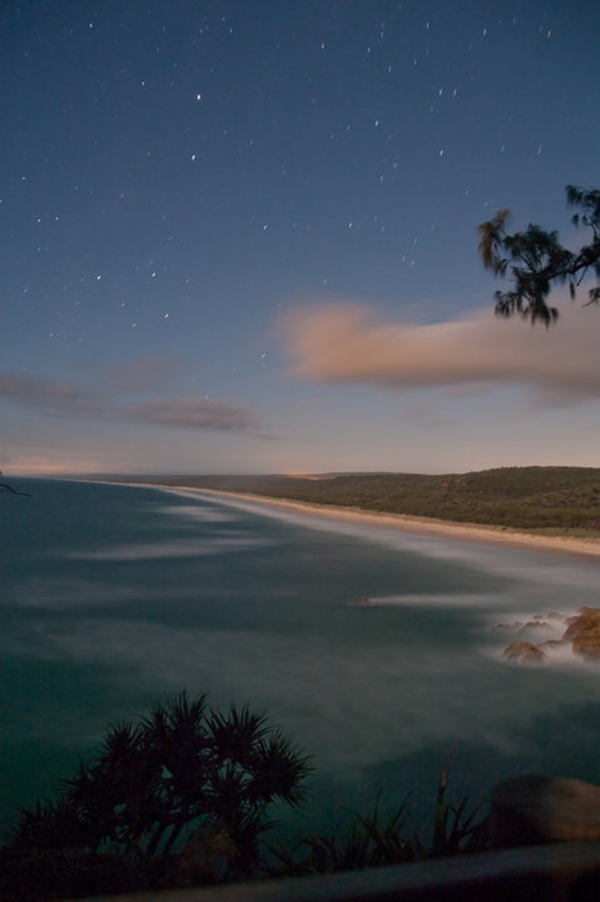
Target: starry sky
241,235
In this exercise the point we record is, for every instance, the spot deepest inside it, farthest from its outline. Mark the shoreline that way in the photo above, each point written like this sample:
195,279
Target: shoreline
468,532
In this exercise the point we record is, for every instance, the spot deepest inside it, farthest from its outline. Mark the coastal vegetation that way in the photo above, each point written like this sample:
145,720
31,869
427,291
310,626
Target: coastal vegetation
543,500
181,799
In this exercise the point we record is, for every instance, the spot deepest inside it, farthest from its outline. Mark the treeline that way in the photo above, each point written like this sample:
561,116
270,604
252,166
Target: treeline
548,499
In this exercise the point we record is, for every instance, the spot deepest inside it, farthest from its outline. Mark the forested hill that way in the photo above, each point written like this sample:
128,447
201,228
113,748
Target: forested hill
548,499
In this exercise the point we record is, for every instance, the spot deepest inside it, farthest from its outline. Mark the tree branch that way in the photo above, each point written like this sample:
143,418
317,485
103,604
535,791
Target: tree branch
4,486
538,260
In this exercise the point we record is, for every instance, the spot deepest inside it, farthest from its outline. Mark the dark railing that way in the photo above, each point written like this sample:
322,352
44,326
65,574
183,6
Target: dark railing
558,872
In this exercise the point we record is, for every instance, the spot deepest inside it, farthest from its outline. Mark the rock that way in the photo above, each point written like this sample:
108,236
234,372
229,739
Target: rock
583,631
363,602
587,645
537,809
508,626
524,652
534,625
585,618
552,644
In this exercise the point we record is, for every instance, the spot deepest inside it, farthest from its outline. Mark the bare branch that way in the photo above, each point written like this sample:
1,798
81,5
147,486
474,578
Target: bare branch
5,487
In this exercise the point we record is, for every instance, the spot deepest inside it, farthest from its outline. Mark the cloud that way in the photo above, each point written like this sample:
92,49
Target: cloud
352,343
191,412
48,396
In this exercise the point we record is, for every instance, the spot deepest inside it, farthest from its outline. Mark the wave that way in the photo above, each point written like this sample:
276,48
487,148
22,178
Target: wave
204,513
174,549
456,600
520,564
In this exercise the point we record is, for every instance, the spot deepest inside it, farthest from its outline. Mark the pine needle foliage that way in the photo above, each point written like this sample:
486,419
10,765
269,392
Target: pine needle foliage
535,260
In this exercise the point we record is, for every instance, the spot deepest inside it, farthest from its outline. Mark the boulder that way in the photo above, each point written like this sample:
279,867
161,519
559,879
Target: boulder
587,645
524,652
539,809
363,602
585,618
583,631
535,626
552,644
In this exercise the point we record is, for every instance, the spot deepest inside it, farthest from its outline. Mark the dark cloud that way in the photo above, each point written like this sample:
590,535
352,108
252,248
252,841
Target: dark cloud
47,396
191,412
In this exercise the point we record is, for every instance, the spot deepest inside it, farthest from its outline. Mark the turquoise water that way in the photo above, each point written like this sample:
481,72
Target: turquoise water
114,597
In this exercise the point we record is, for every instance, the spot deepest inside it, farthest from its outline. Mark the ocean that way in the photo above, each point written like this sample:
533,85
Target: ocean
377,651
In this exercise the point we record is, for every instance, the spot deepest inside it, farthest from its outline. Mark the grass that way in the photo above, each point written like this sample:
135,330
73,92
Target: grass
373,842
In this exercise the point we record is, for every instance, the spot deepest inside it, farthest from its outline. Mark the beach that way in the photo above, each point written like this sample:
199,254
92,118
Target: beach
498,535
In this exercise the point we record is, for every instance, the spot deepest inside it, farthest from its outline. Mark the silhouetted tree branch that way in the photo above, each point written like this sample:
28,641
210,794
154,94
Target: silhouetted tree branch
535,260
5,487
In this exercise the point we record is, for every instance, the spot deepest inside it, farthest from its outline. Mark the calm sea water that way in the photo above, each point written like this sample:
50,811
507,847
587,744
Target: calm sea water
115,597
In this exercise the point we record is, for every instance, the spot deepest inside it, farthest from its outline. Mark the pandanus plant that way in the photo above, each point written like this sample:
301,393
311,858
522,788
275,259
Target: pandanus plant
179,778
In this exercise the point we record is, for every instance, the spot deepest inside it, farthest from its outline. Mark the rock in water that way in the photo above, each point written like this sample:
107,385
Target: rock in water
584,632
524,652
363,602
551,645
537,809
534,625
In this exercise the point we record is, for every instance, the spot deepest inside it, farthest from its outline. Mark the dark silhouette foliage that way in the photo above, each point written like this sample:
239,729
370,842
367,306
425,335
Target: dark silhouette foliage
535,260
182,796
179,799
374,842
5,487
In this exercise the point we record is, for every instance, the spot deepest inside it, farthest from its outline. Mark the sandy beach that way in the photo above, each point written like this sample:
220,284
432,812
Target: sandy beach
498,535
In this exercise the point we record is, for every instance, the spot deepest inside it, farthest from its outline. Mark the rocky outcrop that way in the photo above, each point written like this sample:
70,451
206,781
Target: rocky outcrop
552,645
535,625
524,652
582,636
583,631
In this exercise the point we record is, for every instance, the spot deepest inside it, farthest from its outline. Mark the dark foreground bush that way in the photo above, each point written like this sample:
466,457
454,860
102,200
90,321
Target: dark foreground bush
178,799
42,874
373,842
181,799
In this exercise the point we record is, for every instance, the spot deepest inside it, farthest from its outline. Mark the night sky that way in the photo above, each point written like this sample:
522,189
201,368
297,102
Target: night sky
241,236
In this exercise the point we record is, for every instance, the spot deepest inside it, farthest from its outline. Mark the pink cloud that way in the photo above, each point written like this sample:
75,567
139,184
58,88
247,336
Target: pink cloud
352,343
